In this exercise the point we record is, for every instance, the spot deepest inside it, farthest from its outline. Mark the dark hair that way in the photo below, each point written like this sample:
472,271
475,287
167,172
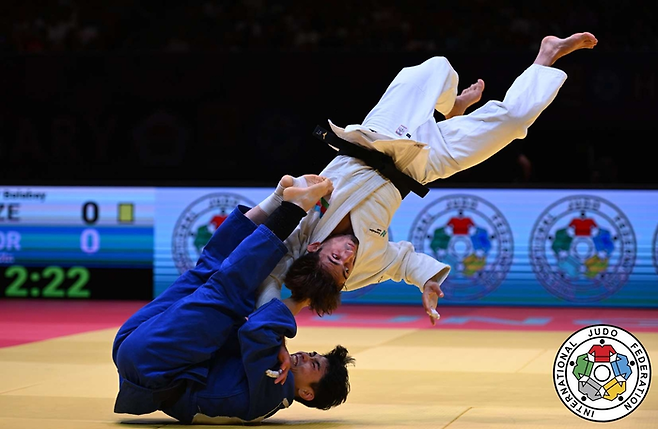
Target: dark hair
307,279
332,389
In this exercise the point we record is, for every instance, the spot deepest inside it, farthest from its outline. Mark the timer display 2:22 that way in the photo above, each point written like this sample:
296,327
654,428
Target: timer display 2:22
46,282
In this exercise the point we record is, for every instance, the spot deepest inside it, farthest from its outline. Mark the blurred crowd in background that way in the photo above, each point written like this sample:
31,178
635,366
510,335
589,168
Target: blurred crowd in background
303,25
141,90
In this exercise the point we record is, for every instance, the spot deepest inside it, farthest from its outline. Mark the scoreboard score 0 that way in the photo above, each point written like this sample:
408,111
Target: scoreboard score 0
76,242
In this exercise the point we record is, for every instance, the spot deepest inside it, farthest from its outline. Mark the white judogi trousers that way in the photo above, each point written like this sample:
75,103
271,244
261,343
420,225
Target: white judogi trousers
402,123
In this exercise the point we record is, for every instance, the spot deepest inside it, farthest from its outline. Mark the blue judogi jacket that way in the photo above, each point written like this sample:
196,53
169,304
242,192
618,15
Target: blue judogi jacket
199,350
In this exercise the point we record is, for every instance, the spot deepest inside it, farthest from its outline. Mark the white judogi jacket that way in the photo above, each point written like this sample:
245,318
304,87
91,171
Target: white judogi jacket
402,125
371,201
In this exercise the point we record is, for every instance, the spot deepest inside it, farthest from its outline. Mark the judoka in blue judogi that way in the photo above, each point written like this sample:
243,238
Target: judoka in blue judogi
200,353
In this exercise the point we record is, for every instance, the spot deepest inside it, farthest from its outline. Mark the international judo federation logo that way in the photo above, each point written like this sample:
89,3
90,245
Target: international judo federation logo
197,223
602,373
582,249
472,236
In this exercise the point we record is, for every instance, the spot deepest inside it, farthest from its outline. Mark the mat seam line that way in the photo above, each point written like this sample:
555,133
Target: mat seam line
457,418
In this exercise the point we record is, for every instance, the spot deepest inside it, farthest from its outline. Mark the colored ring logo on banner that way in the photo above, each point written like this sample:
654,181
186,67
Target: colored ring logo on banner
197,223
472,236
582,248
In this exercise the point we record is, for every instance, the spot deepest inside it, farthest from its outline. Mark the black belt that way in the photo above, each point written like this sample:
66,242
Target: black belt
379,161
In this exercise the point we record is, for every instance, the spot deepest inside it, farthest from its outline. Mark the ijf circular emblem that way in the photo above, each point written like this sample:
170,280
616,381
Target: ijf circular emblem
582,248
472,236
602,373
197,223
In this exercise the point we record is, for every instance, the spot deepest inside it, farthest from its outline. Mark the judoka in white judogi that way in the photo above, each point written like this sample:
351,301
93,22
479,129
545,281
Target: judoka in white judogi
402,125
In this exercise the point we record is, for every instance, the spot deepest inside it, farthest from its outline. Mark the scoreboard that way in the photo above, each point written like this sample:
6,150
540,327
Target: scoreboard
76,242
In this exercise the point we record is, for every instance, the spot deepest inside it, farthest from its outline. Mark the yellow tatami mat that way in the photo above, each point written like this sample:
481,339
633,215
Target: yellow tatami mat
403,378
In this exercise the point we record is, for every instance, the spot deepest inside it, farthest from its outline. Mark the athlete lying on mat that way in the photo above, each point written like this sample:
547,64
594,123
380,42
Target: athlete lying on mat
200,353
344,243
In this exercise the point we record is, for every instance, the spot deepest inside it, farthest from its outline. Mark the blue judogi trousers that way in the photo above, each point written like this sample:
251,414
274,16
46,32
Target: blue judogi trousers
201,343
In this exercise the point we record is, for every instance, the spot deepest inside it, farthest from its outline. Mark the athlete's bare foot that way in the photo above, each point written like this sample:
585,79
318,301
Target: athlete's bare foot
286,181
307,197
467,98
311,179
552,48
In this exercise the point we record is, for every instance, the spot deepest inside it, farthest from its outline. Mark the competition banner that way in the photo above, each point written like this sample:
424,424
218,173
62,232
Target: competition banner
505,246
76,242
596,248
186,219
537,247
